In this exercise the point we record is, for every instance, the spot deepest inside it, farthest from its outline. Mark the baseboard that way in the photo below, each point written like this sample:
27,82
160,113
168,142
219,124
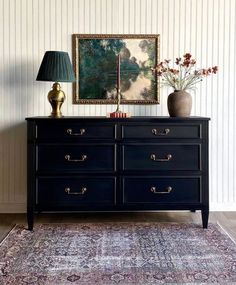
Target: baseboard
12,208
223,207
21,207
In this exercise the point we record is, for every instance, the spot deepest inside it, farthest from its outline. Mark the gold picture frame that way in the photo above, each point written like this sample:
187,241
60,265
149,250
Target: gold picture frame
95,67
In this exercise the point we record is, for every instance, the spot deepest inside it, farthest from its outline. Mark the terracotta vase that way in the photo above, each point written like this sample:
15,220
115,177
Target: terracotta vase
179,104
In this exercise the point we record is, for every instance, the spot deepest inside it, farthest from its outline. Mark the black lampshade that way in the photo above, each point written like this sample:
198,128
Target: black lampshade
56,66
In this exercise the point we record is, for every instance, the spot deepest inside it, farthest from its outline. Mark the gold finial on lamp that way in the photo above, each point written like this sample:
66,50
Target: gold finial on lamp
56,66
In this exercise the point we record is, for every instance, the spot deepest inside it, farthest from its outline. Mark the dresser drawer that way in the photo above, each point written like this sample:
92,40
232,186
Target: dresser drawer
161,190
73,191
157,131
81,157
75,131
161,157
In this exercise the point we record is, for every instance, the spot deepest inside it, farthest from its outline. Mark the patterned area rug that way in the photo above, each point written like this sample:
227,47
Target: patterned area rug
117,253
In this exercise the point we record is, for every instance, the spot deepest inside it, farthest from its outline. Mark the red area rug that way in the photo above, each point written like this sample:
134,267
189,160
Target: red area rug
117,253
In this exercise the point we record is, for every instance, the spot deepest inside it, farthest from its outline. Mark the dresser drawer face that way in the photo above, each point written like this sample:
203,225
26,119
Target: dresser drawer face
161,190
82,158
157,131
75,131
68,191
161,157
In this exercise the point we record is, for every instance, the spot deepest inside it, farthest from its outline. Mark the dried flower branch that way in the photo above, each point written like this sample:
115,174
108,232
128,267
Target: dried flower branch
184,76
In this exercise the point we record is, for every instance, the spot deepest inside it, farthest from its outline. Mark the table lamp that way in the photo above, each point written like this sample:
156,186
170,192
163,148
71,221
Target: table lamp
56,66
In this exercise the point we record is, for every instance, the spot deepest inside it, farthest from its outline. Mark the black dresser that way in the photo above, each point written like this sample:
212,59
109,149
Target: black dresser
130,164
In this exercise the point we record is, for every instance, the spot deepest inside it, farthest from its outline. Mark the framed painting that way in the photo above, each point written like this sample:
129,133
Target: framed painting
98,70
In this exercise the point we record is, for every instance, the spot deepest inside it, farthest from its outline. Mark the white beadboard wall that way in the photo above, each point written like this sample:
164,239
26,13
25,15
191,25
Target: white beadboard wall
206,28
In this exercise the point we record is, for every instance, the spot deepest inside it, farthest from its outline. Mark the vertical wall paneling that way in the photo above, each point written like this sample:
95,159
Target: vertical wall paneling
1,91
221,99
233,169
28,28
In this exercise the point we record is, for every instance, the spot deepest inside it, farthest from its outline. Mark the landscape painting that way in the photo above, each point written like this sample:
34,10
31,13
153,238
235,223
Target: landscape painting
104,62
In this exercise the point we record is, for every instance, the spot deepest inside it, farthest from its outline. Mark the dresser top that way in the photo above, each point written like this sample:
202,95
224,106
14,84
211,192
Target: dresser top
132,119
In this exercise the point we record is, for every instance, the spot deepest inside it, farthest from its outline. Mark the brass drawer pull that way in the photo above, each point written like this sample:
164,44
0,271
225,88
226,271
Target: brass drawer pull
70,132
158,133
167,158
168,190
83,158
83,190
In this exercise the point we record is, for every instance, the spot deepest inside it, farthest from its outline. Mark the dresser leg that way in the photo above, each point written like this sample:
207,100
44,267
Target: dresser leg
30,219
205,215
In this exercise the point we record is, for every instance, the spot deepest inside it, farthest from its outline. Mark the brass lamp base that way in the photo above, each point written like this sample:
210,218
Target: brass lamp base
56,97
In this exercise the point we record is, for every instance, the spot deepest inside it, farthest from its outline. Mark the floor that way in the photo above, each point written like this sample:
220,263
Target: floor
226,219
